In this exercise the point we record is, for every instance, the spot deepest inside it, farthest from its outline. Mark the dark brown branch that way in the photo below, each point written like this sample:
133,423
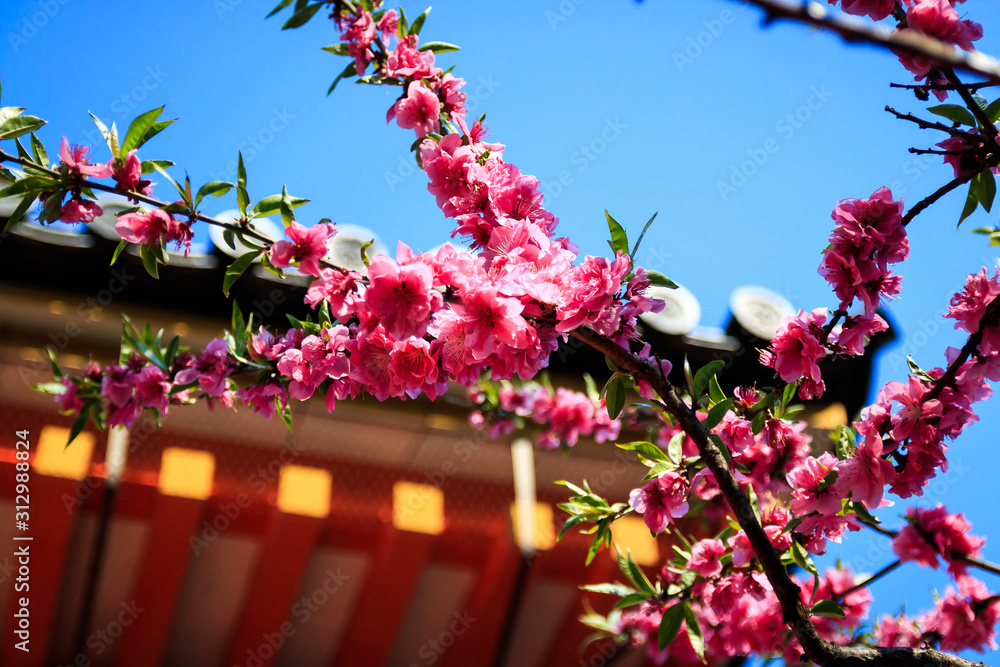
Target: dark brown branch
933,197
855,30
794,613
988,129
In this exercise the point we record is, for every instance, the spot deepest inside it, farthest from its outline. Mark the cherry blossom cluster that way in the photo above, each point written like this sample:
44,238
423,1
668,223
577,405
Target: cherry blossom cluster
964,619
868,237
935,18
566,414
738,612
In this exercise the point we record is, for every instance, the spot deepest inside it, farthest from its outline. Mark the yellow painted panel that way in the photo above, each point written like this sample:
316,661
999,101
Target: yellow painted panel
54,458
306,491
418,508
187,473
630,533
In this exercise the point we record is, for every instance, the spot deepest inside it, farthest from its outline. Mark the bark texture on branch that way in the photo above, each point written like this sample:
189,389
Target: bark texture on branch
794,612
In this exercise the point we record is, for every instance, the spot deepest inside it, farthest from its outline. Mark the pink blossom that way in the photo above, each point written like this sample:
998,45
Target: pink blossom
401,297
876,9
69,400
866,474
706,557
898,632
969,306
661,501
405,61
261,398
808,480
418,110
306,245
962,623
78,209
930,533
339,288
127,173
153,388
76,158
210,369
796,349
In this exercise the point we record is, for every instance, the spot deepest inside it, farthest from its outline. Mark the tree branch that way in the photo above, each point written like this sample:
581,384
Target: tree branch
794,613
855,30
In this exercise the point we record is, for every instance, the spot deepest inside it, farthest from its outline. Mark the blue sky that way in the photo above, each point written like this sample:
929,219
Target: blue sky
631,107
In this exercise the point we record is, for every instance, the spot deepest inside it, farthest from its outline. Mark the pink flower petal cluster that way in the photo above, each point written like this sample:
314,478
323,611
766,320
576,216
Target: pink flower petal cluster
662,500
77,161
869,236
796,351
417,110
154,228
305,245
930,533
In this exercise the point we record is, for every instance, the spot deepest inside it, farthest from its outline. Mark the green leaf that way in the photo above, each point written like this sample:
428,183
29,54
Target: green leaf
704,374
418,22
364,252
675,448
281,5
694,632
631,599
619,239
437,47
341,49
30,185
79,424
615,397
993,110
828,609
109,138
213,188
15,126
715,391
670,625
971,202
954,113
657,278
138,127
285,206
149,260
38,151
645,449
18,213
604,589
121,246
272,204
348,72
301,17
237,268
635,248
718,411
986,188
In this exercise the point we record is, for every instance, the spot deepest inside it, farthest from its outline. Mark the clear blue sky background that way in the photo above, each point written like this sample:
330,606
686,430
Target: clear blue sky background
683,92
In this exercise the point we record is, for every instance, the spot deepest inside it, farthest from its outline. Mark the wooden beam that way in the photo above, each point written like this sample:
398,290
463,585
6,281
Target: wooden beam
397,563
